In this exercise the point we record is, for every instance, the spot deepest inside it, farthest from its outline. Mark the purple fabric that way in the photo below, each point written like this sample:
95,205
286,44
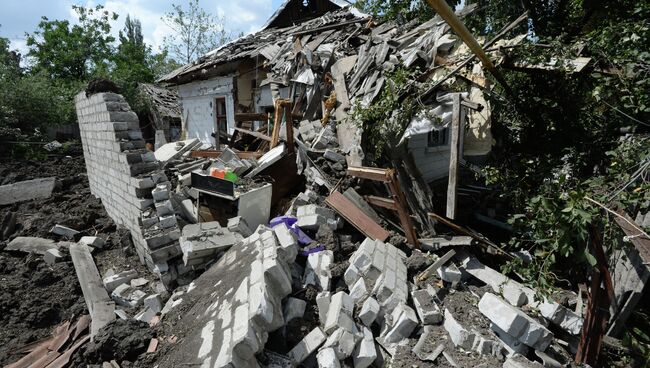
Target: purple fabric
319,248
303,239
287,220
290,221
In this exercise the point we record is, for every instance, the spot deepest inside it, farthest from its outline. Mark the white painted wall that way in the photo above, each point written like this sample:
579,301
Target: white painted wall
433,162
197,99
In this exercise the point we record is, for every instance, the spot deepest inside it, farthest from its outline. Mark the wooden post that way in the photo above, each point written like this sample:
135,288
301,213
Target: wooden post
289,124
441,7
454,154
405,218
277,122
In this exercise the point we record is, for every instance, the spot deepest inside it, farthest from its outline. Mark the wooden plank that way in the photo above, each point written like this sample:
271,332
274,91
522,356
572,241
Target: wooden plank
216,154
382,202
254,134
356,217
454,149
437,243
100,305
277,123
371,173
400,201
289,124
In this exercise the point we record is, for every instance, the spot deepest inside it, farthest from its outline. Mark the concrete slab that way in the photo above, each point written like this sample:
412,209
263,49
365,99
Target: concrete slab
26,190
100,306
31,244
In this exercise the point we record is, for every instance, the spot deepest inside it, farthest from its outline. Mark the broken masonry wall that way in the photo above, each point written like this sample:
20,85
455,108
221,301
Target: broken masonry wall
122,173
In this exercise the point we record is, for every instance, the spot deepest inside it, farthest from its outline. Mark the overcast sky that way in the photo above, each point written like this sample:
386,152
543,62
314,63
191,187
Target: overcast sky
20,16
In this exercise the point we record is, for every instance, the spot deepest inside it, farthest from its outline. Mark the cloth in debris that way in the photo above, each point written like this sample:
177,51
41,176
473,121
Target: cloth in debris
436,118
290,221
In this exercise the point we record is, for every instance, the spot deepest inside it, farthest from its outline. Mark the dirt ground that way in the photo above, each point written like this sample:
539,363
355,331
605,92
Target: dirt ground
34,296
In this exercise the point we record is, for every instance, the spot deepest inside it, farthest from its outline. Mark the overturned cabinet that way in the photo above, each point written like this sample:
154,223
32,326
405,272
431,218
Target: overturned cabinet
219,200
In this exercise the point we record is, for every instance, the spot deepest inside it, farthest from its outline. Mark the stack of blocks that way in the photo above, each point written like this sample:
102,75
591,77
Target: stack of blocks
259,278
122,173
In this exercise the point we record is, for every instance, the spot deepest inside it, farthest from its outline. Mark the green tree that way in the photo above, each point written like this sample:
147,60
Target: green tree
195,32
73,51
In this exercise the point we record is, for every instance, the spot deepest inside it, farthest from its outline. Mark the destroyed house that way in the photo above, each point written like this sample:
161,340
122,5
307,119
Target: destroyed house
326,66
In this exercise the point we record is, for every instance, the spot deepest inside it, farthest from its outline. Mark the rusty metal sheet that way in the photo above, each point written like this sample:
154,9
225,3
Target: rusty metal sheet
46,360
30,358
356,217
64,359
61,336
82,325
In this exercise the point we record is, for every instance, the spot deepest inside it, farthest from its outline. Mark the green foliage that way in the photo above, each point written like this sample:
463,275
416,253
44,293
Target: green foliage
396,9
67,51
387,118
196,32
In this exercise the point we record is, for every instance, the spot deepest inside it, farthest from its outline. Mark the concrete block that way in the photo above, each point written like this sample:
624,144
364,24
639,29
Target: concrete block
333,156
138,282
64,231
359,292
323,300
160,192
145,315
288,243
307,131
52,256
326,358
339,313
365,352
502,314
460,336
317,271
404,322
127,296
427,309
450,273
369,311
113,281
519,361
511,290
167,221
294,308
93,241
164,208
308,345
153,302
515,322
239,225
342,341
509,343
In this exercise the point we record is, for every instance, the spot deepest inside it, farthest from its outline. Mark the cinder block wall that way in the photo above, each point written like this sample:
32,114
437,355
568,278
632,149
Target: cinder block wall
122,174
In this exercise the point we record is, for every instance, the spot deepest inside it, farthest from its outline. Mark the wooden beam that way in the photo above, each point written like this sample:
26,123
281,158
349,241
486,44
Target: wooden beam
454,150
400,200
370,173
443,9
289,125
352,214
216,154
254,134
381,202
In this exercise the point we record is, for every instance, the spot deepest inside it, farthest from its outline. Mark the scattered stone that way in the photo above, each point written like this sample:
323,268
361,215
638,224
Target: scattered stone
113,281
52,256
64,231
294,308
308,345
93,241
427,309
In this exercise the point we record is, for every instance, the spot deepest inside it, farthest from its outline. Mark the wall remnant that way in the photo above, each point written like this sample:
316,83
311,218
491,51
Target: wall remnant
122,173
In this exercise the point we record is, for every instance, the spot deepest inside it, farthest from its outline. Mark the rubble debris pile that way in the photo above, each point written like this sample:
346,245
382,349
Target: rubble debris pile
237,302
126,176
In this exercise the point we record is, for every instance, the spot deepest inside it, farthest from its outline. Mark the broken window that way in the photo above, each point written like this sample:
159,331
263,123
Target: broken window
438,138
221,120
